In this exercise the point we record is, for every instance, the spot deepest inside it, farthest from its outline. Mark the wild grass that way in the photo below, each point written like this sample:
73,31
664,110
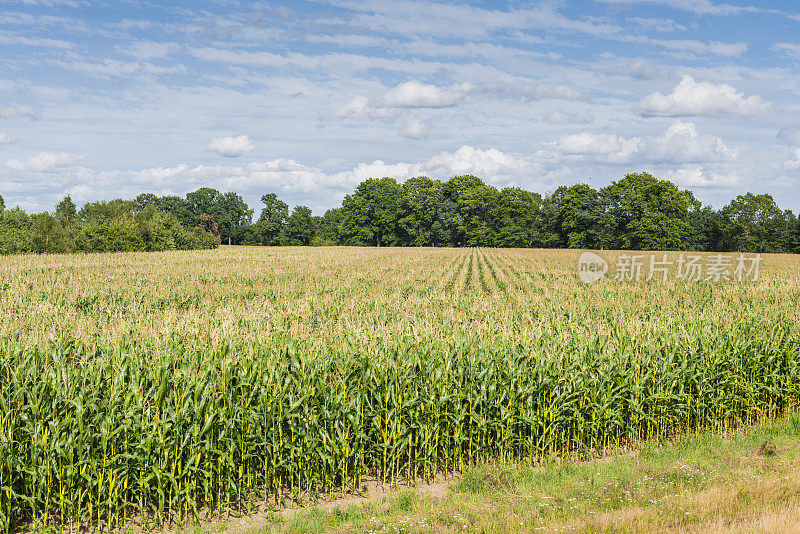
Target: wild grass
153,386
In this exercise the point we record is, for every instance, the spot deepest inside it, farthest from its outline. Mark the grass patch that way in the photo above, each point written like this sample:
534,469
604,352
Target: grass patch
747,480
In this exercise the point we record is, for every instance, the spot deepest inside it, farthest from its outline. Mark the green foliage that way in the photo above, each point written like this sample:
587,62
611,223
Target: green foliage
420,210
204,200
517,220
233,215
115,226
47,234
754,223
66,213
102,433
372,212
15,234
145,200
474,200
299,227
103,213
649,214
638,212
329,227
178,207
272,221
581,217
120,234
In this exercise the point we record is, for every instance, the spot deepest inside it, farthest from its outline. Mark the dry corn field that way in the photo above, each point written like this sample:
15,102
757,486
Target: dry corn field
157,386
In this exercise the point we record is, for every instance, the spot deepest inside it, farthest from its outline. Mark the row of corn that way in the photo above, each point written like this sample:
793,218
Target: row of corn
97,435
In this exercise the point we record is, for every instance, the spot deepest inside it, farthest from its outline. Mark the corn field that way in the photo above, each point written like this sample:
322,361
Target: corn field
160,385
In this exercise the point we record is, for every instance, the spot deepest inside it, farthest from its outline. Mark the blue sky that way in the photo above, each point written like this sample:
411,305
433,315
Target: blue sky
306,99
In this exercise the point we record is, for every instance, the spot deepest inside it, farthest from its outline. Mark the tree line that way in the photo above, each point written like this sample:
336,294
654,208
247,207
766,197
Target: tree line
115,226
638,212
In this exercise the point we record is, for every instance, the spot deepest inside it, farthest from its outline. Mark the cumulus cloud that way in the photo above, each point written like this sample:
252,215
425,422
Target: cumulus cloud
416,129
285,176
702,98
609,148
703,176
680,143
17,110
231,147
414,94
43,162
492,164
5,139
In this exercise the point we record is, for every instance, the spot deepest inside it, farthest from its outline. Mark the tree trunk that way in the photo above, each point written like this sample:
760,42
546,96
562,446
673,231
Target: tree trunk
229,239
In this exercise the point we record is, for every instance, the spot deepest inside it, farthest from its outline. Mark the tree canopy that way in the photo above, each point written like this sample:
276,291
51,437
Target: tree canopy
637,212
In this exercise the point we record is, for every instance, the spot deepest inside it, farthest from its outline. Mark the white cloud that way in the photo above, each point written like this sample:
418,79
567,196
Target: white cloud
231,147
696,47
360,109
149,49
414,94
658,25
113,69
8,38
609,148
492,164
527,90
416,129
5,139
702,98
17,110
790,49
781,182
702,176
699,7
640,69
680,144
285,176
794,163
43,162
442,20
566,117
54,3
789,135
